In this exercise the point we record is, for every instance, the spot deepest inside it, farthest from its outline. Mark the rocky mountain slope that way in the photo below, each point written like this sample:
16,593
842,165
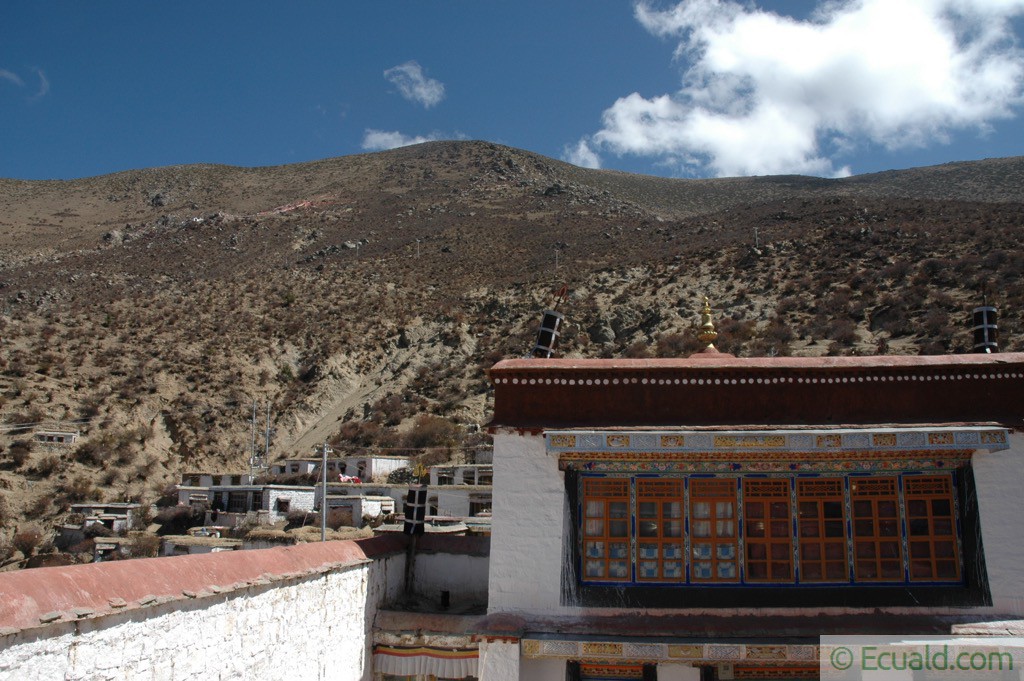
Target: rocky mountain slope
364,297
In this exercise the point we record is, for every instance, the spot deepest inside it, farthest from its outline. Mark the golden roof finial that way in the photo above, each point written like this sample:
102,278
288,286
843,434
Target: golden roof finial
707,327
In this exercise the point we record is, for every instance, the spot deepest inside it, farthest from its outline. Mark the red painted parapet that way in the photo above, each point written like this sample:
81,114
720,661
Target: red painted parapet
716,389
29,598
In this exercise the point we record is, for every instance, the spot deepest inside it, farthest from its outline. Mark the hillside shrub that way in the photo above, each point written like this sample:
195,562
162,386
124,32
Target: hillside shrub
27,541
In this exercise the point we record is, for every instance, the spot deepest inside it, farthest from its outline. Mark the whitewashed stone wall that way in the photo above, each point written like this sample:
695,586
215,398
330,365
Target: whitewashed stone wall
528,515
1000,483
464,577
299,499
316,627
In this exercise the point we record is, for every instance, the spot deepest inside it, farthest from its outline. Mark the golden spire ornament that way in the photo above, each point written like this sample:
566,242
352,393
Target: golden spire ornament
707,327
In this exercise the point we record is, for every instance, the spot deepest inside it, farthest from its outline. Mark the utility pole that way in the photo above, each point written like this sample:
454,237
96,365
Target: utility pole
252,445
324,450
266,449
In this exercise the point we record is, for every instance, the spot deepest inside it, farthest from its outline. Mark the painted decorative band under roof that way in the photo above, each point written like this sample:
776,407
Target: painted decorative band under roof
808,441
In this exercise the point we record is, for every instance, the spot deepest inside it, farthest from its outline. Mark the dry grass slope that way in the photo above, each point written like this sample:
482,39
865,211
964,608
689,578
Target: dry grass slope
365,296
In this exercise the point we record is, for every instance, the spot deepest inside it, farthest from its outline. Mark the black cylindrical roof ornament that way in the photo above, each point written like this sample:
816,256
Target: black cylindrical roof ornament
415,511
547,337
986,331
550,323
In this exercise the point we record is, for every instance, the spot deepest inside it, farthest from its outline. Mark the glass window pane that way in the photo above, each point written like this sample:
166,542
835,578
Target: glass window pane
648,528
835,550
917,507
832,509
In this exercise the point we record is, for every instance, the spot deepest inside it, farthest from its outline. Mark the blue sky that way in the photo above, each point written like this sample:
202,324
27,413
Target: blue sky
700,88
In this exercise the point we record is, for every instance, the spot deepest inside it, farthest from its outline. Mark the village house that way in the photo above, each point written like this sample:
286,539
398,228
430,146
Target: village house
56,437
232,505
85,519
364,467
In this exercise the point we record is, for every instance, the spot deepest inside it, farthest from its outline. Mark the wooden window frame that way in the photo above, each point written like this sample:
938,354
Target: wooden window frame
930,489
872,492
768,495
714,492
669,550
606,492
842,515
818,492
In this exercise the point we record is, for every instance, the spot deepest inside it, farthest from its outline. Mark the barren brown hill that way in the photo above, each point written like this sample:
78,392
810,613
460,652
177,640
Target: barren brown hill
364,297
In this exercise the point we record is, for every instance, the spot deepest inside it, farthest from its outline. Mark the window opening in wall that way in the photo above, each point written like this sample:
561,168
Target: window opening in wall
876,529
606,529
237,502
769,543
713,536
931,528
855,529
822,528
660,530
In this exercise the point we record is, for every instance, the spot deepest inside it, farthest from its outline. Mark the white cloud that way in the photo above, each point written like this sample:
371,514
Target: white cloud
767,94
11,77
414,85
582,154
380,140
44,84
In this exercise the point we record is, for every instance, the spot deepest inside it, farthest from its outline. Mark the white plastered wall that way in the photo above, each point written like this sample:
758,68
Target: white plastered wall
543,670
999,477
499,661
529,517
321,625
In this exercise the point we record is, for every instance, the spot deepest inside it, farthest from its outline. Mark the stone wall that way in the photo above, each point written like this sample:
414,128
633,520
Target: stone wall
302,612
999,477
